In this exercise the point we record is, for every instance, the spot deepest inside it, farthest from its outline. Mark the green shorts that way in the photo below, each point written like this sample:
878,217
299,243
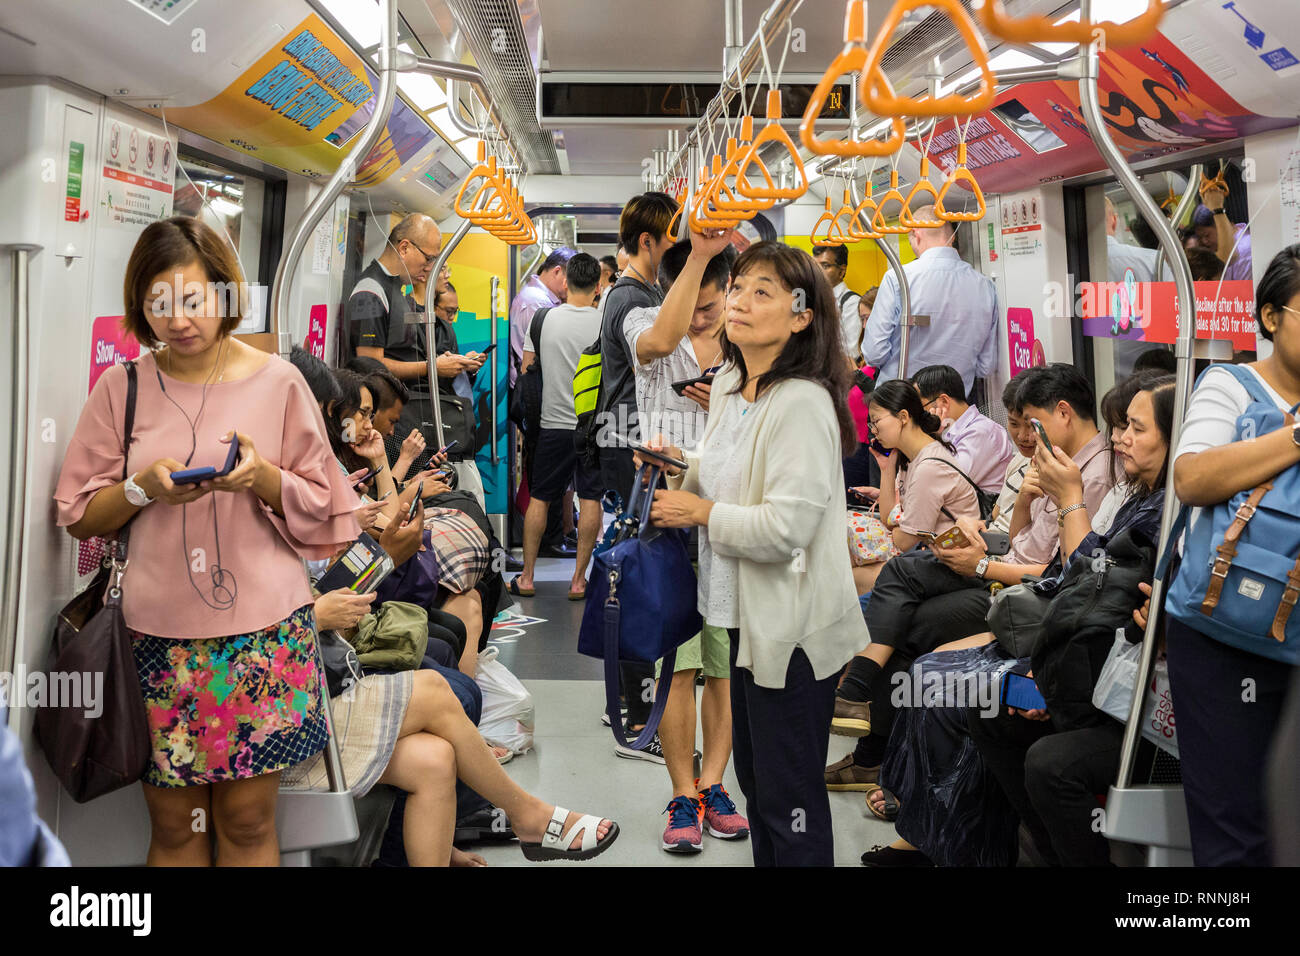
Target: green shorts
709,650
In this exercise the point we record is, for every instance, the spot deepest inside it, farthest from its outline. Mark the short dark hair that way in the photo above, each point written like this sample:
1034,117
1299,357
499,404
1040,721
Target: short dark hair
610,263
841,254
935,380
386,387
1280,284
1046,385
349,401
172,244
583,272
318,376
717,272
1143,233
649,212
1009,392
1161,360
1205,265
558,257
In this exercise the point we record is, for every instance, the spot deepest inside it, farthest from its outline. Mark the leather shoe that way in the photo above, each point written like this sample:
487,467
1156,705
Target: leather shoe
553,551
482,826
513,563
852,718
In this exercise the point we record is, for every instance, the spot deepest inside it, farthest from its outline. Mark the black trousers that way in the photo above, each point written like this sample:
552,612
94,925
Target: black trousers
1228,704
779,739
1053,780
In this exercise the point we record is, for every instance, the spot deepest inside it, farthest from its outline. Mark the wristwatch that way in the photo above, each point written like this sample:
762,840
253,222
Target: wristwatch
1217,212
981,567
135,494
1060,515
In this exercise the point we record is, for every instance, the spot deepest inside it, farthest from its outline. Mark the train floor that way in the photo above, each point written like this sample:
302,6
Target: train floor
573,761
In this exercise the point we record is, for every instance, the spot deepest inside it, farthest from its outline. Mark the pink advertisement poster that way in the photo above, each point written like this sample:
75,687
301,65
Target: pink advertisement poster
315,343
1020,340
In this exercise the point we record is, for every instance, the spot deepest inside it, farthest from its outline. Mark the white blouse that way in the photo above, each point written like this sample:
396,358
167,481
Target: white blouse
720,480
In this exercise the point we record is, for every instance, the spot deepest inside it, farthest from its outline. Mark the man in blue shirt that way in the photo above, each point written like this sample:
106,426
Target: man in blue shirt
961,303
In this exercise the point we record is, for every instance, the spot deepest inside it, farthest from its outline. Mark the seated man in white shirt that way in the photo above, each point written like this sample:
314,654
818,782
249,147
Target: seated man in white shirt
981,446
834,261
675,343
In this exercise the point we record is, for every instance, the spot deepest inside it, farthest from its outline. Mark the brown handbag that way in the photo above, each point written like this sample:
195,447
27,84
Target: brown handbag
95,755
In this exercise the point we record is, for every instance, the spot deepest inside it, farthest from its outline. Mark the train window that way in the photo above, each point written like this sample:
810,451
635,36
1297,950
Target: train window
1132,308
231,202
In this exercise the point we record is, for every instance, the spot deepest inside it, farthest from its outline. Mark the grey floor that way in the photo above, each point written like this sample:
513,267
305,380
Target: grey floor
573,763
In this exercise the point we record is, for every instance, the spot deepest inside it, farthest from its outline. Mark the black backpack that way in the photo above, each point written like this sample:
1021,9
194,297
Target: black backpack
526,399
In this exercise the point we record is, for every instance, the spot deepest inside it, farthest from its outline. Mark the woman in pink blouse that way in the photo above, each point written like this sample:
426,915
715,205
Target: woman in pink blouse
215,596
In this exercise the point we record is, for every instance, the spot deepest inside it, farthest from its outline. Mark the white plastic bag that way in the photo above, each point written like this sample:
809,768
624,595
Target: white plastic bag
507,706
1113,694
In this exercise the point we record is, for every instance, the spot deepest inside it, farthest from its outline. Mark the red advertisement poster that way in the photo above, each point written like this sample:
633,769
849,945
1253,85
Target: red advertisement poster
315,343
1148,311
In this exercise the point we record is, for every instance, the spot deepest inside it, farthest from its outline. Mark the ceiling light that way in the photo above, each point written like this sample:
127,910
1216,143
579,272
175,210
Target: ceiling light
358,18
422,90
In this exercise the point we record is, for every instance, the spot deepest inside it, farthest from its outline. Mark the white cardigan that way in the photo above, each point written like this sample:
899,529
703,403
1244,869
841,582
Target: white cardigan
795,582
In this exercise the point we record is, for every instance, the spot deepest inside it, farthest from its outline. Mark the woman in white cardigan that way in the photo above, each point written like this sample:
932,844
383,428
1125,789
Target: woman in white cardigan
766,487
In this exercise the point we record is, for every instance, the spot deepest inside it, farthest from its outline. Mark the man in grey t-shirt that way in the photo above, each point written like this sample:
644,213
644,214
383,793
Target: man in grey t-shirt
566,330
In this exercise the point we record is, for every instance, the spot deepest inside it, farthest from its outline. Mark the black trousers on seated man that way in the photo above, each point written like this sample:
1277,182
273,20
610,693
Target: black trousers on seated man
1053,779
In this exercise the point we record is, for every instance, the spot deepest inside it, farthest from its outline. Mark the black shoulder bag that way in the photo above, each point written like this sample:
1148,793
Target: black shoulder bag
93,756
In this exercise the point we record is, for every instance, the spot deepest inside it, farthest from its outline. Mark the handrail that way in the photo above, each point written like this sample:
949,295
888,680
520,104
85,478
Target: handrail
279,297
18,456
1185,203
430,336
1038,29
879,96
1091,111
492,370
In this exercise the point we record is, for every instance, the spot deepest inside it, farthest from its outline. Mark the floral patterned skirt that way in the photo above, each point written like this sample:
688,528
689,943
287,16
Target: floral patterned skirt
228,708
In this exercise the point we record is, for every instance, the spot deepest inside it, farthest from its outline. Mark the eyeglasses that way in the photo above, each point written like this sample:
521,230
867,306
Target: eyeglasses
427,257
926,405
871,423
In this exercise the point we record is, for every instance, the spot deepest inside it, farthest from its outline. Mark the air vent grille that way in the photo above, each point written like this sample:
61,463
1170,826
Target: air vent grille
494,34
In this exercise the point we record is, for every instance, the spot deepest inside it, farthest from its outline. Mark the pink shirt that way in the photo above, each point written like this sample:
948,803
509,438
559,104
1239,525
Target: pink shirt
930,485
858,407
262,550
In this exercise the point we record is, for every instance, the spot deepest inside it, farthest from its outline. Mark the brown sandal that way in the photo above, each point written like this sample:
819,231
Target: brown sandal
890,812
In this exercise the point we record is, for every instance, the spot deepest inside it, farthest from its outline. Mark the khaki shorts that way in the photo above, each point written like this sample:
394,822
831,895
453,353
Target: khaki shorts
709,651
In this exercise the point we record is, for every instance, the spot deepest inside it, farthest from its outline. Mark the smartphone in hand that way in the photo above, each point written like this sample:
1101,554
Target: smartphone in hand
192,476
1042,434
415,503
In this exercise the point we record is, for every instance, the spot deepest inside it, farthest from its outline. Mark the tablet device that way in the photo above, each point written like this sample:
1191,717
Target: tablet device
1022,693
192,476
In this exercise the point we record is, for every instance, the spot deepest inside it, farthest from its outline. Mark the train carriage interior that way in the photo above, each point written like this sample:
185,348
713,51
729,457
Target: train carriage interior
1120,179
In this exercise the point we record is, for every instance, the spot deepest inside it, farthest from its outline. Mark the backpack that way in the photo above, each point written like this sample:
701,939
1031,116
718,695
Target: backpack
1239,580
588,395
987,500
526,399
845,296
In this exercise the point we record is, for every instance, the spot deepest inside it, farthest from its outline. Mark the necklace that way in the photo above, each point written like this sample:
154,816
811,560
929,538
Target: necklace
222,353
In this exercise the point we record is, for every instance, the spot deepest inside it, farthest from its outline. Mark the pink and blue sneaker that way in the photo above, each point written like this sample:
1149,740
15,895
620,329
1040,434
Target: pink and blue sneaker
721,817
682,835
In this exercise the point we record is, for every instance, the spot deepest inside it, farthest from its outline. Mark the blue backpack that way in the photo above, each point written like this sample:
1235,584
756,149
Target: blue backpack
1239,581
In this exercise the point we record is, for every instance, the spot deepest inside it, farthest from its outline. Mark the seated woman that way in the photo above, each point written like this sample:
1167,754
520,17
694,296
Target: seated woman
409,730
454,553
950,807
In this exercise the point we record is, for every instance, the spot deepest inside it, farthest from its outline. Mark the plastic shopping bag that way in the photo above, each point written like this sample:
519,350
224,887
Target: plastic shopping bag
507,706
1113,694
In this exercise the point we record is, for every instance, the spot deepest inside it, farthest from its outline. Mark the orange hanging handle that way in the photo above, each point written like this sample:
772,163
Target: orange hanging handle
833,235
878,222
860,228
488,171
874,88
849,60
738,202
960,174
1218,182
845,212
770,133
994,19
925,194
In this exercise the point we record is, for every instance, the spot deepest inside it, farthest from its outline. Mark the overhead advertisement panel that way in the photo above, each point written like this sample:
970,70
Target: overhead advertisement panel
300,105
1155,101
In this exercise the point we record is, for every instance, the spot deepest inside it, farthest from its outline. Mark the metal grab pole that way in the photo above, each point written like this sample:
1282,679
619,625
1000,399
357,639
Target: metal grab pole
430,335
492,371
1190,196
342,176
18,457
904,302
1164,231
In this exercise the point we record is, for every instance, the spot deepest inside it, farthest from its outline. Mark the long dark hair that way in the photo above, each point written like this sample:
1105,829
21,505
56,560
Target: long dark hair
817,352
899,395
1161,388
1114,411
347,405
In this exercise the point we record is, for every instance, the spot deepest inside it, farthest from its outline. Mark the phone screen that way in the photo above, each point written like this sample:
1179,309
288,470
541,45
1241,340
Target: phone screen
415,502
1042,433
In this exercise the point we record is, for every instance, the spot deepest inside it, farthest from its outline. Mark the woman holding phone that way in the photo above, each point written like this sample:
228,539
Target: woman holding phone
215,598
773,566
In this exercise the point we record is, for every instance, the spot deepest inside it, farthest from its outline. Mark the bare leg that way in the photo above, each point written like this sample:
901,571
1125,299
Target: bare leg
588,532
864,578
425,767
180,822
566,511
715,707
975,640
469,608
435,710
243,814
534,528
877,799
677,732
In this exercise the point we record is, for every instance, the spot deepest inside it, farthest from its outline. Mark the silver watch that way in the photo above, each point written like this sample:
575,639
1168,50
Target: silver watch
135,494
981,567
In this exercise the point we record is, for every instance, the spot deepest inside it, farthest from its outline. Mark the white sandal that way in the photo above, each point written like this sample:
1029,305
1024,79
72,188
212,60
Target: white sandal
555,844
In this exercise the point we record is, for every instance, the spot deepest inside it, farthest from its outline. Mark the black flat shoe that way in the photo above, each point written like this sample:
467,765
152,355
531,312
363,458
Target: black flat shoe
892,856
488,825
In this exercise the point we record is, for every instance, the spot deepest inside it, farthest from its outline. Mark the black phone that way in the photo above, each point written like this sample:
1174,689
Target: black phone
415,502
880,449
1022,693
997,543
651,453
1042,433
488,350
449,446
365,479
192,476
682,386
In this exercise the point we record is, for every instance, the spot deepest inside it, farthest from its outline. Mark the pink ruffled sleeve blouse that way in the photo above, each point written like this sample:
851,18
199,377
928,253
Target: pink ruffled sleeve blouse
173,547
